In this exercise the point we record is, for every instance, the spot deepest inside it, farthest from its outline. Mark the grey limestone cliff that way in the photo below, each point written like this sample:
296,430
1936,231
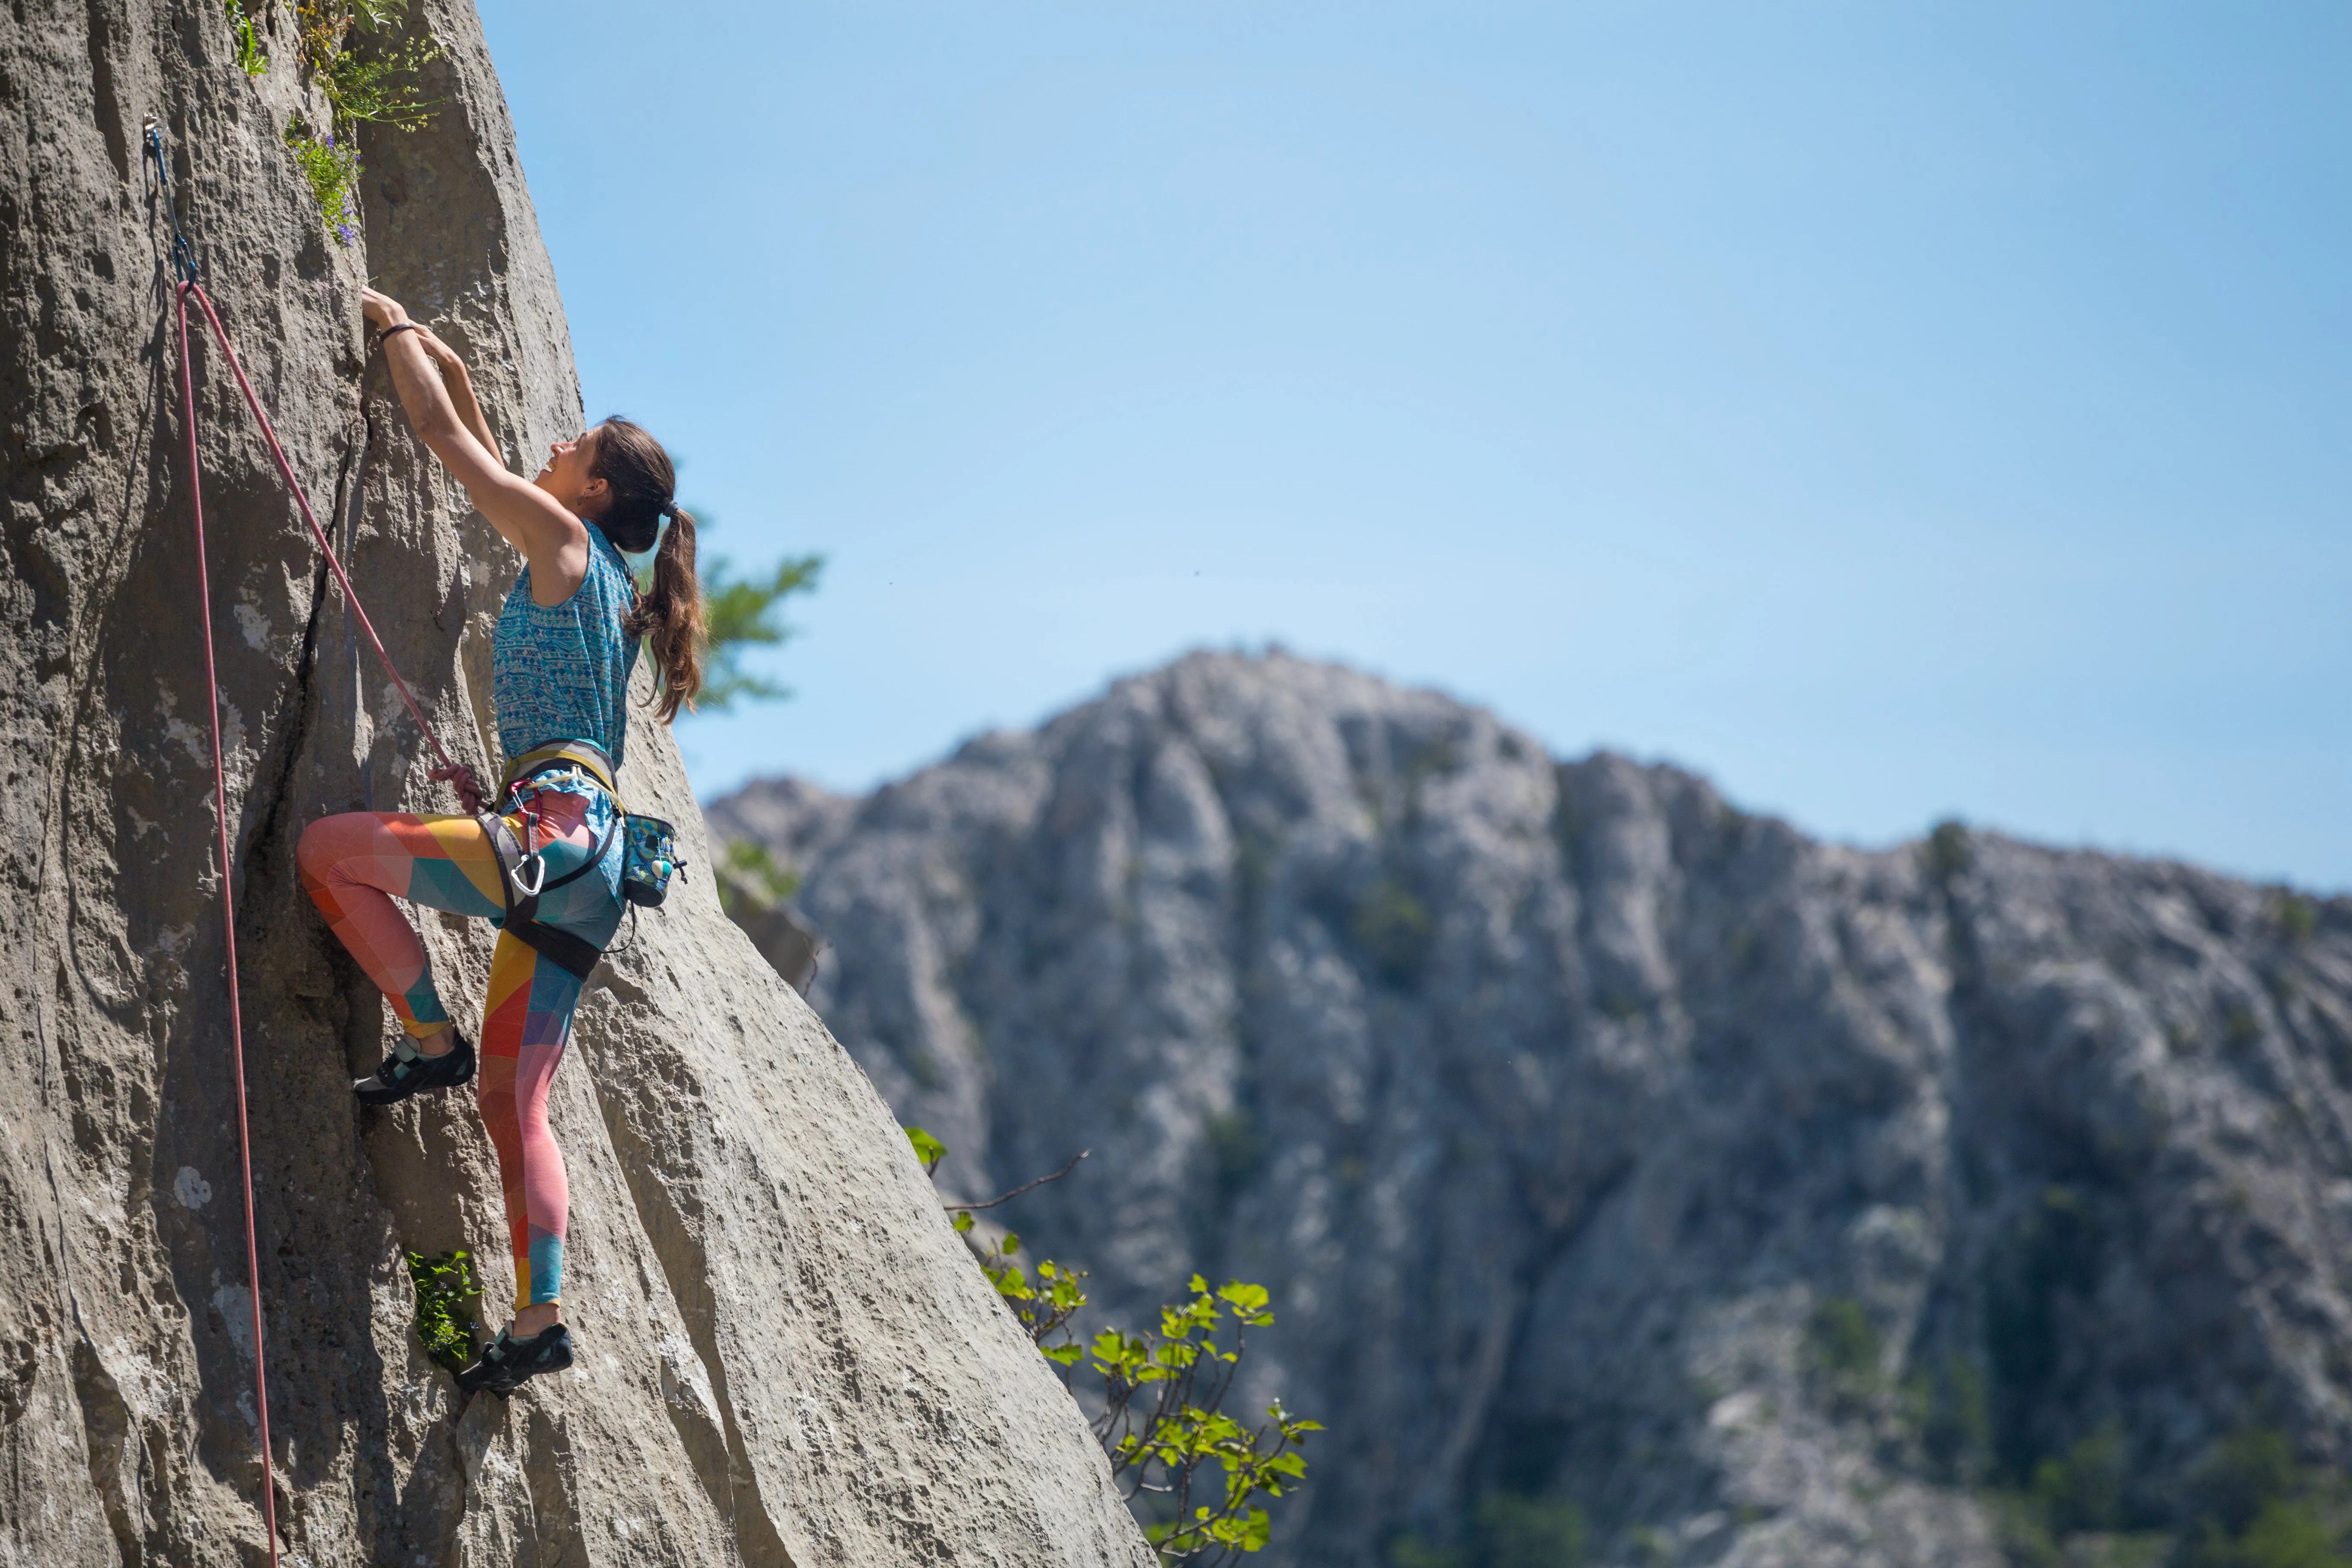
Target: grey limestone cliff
1767,1200
786,1356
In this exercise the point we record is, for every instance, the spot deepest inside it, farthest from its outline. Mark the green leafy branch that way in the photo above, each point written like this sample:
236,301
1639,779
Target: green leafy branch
1042,1309
739,614
750,878
1161,1421
1161,1424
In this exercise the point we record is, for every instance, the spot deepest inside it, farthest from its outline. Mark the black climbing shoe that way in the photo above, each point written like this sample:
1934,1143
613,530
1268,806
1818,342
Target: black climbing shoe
508,1361
409,1070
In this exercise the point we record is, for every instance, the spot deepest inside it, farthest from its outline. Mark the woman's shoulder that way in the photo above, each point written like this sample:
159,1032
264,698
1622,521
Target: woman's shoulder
607,564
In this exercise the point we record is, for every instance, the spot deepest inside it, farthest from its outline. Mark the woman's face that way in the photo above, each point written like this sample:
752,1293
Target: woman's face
566,476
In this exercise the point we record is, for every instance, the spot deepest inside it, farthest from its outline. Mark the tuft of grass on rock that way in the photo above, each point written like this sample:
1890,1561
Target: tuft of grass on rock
446,1292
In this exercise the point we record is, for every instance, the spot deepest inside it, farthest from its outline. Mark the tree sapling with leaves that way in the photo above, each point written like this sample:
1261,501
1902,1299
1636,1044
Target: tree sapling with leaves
1161,1419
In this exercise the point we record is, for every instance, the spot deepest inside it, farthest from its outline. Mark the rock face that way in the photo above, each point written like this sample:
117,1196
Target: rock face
786,1355
1767,1200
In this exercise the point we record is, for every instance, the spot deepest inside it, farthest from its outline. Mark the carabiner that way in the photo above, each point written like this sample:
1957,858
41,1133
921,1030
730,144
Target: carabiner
184,254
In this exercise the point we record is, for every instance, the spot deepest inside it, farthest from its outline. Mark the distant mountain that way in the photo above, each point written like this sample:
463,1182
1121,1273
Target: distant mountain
1627,1169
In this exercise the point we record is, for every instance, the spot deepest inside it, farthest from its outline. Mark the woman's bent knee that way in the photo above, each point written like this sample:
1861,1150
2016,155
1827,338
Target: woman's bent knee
310,851
323,844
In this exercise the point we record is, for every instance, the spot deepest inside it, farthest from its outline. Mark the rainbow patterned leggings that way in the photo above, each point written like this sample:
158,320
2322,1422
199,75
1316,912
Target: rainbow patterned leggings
355,864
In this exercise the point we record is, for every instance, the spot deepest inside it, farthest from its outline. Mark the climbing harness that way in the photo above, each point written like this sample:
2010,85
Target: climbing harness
649,855
522,867
576,955
188,285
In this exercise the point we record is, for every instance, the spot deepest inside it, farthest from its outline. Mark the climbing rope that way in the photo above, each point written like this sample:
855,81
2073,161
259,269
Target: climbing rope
468,787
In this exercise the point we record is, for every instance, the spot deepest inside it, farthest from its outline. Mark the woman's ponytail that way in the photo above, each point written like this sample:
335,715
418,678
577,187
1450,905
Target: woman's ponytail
670,618
641,480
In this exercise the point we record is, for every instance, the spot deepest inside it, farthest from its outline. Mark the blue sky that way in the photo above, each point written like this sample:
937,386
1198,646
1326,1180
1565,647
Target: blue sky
1891,412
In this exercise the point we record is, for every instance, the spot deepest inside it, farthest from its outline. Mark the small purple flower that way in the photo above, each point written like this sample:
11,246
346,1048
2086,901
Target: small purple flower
344,232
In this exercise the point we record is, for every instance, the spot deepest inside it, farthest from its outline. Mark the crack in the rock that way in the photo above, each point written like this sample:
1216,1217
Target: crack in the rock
298,725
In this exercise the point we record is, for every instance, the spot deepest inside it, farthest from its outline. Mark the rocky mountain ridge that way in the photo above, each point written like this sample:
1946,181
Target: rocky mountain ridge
1629,1171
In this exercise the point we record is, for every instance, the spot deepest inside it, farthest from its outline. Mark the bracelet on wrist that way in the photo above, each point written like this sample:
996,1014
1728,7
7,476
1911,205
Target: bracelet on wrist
384,336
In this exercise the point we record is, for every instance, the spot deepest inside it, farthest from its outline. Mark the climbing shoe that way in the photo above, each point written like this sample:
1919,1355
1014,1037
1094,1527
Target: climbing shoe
409,1070
506,1361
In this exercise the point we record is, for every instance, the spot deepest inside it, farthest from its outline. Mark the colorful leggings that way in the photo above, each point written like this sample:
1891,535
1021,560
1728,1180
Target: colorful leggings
355,864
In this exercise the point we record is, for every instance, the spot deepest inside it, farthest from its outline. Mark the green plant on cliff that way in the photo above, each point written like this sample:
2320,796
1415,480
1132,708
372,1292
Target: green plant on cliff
2068,1494
1841,1343
2258,1506
2250,1503
333,172
251,58
2295,915
445,1291
1395,929
1947,855
376,83
750,878
349,52
1161,1418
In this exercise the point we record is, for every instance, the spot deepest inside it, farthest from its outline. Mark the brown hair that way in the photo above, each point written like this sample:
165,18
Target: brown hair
641,481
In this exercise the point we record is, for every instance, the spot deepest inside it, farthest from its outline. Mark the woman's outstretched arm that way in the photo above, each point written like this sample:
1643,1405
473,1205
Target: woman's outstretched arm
460,386
551,540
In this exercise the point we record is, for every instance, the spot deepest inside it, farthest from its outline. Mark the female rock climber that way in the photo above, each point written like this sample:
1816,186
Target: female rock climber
566,642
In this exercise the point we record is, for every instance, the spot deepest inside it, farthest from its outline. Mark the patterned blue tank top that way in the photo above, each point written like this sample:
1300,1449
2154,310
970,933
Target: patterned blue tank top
561,672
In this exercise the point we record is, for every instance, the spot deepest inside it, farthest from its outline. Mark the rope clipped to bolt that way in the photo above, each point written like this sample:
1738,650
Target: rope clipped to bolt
188,286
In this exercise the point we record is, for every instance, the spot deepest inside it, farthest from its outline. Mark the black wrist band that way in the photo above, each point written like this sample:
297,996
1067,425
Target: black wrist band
384,336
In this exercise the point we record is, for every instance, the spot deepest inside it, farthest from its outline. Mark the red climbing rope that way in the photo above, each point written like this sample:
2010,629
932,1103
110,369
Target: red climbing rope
468,787
228,913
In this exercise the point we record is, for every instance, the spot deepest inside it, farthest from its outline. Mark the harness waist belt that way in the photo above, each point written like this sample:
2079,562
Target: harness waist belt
585,756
